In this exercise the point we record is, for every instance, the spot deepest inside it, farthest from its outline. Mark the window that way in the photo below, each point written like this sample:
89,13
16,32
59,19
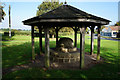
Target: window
114,32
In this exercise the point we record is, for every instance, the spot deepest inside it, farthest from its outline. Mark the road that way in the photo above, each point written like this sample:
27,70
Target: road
95,37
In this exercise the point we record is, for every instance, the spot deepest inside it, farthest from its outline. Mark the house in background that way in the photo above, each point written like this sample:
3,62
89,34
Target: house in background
111,31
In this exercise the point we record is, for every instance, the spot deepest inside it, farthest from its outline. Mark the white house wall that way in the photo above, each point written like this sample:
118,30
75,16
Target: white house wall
114,35
104,30
109,30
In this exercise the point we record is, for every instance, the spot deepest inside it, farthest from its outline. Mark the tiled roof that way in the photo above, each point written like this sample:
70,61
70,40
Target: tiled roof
115,28
106,28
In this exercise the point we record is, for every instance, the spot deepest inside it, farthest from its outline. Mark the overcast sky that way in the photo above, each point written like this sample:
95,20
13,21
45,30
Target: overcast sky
23,10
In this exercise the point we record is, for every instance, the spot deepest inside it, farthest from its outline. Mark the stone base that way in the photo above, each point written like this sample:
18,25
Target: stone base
68,57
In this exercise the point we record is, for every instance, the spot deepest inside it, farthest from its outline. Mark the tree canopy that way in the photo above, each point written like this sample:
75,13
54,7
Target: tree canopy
2,13
47,5
117,23
102,28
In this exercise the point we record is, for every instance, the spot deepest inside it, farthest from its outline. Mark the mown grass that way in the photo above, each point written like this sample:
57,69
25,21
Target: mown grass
18,51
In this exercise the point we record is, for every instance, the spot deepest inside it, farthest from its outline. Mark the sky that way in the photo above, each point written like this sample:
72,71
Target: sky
21,11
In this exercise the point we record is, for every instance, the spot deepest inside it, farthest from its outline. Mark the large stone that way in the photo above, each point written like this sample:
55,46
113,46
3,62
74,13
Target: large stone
65,42
65,45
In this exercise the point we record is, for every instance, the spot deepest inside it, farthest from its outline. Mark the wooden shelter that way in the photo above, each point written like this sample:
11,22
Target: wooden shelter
66,16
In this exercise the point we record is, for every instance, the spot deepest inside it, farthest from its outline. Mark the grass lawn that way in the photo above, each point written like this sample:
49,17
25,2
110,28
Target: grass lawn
18,51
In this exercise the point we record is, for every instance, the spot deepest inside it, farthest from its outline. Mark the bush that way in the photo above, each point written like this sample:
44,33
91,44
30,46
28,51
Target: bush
65,33
7,33
6,38
22,32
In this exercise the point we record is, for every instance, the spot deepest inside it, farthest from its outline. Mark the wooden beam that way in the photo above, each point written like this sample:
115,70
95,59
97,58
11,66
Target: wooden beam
82,47
33,47
75,36
66,20
47,49
98,43
92,41
40,39
56,35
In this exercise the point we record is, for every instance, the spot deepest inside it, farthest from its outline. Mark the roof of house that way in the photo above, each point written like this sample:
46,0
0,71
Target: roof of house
68,13
106,28
115,28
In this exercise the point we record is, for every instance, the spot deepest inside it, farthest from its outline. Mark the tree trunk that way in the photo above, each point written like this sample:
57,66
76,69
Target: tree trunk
52,35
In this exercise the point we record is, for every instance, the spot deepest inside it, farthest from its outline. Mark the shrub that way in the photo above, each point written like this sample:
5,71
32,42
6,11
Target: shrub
6,38
22,32
7,33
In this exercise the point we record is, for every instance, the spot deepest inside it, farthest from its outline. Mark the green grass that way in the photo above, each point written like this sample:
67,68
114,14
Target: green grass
18,51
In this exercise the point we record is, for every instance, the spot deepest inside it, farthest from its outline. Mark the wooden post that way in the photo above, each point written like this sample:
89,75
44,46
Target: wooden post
9,22
75,37
98,44
40,39
47,50
82,47
33,47
92,40
56,35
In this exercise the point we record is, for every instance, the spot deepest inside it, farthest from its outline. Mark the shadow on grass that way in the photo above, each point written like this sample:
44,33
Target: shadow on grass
21,54
16,55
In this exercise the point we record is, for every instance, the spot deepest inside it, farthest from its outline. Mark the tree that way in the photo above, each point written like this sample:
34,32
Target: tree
102,28
87,30
66,31
117,23
2,13
48,5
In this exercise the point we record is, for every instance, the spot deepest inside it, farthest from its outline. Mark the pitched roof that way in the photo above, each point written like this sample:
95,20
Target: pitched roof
68,12
106,28
115,28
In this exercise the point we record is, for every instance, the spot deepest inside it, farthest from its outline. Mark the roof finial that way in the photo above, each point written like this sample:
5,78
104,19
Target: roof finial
65,2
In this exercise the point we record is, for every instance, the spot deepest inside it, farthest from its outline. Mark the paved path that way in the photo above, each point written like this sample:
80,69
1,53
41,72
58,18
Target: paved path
95,37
